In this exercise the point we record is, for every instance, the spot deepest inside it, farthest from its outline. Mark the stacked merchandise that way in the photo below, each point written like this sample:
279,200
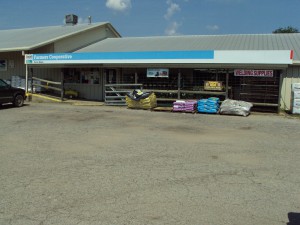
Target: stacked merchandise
210,105
179,106
20,82
36,89
233,107
190,106
296,98
140,100
184,106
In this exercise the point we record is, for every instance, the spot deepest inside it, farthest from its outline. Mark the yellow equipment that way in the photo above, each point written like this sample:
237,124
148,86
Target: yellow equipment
71,93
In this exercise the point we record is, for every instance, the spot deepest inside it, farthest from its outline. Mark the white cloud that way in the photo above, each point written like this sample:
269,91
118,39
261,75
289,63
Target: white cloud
82,20
118,5
172,29
172,9
213,27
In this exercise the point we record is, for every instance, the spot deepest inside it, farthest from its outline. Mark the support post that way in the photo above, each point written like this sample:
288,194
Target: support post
135,78
105,75
280,89
62,87
31,73
227,82
179,84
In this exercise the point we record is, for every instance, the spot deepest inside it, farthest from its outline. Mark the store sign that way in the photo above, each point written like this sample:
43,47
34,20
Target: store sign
213,85
275,57
158,73
254,73
120,57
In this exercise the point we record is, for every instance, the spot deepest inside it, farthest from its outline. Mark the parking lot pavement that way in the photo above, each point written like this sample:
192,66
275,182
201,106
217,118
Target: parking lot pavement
68,164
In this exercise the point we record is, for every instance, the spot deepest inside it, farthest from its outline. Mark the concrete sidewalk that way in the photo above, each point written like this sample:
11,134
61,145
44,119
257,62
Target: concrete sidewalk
52,99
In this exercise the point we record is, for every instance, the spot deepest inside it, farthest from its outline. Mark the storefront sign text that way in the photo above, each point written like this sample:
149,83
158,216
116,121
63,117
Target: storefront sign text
254,73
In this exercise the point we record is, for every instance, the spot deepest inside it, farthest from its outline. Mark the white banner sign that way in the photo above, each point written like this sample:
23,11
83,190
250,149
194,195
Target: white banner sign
158,73
254,73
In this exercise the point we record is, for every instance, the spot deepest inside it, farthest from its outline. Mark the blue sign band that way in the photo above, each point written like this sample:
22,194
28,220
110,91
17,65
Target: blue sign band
209,54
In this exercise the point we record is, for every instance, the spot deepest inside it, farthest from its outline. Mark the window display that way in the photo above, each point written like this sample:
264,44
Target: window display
82,76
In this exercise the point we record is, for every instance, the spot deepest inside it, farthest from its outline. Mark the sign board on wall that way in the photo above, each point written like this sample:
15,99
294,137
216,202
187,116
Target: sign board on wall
3,65
158,73
254,73
276,57
120,57
213,85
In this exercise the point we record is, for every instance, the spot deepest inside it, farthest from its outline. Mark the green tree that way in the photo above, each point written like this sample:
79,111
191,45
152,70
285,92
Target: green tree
287,29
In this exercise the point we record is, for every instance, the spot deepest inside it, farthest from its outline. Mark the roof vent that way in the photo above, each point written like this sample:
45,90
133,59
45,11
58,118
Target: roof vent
71,19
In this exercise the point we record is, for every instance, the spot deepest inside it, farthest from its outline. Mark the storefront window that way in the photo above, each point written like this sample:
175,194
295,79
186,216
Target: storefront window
82,76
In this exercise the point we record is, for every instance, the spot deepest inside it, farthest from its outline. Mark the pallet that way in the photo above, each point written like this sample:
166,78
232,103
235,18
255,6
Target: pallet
163,109
192,112
139,108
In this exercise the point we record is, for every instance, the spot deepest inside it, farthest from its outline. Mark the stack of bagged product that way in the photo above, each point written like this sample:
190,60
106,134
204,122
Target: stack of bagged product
141,100
190,106
233,107
20,82
184,106
296,98
179,106
210,105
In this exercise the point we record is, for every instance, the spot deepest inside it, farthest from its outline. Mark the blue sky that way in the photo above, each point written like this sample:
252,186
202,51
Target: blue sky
157,17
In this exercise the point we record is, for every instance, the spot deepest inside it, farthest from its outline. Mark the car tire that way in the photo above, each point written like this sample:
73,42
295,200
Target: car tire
18,101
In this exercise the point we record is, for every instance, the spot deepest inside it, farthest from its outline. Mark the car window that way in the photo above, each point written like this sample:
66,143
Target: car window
2,84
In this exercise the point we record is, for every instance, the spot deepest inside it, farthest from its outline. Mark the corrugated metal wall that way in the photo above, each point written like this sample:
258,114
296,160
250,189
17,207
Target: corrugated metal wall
15,65
81,40
45,49
88,91
291,75
15,60
53,74
47,74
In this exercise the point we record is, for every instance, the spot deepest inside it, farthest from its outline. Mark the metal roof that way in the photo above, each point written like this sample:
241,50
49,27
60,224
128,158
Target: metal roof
31,38
200,42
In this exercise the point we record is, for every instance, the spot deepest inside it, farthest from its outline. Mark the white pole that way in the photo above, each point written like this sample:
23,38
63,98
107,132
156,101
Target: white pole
26,83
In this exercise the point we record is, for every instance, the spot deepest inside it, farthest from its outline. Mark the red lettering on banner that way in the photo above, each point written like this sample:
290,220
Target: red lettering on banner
254,73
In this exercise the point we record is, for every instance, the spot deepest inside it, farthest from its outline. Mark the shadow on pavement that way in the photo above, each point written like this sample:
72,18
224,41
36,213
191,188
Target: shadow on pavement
10,106
294,218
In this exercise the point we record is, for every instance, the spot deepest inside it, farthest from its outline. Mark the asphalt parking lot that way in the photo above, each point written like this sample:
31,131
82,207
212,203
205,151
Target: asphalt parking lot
87,165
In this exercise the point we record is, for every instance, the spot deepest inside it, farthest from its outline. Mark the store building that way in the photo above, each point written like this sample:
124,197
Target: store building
255,68
15,43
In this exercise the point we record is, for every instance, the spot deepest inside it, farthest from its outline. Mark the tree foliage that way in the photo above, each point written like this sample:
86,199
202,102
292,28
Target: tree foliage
287,29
